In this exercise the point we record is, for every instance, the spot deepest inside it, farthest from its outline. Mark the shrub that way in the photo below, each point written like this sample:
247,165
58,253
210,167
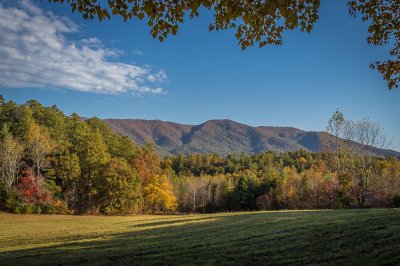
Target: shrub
56,207
49,209
3,196
37,209
13,202
61,207
396,201
32,190
27,209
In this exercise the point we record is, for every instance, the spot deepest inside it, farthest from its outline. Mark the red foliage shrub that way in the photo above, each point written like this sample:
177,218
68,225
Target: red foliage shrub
31,189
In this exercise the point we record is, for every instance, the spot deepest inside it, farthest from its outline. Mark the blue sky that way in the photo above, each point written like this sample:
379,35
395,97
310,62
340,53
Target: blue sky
121,72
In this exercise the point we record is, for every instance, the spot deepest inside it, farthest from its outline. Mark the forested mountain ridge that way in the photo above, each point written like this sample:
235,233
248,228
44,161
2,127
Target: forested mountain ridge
54,163
222,137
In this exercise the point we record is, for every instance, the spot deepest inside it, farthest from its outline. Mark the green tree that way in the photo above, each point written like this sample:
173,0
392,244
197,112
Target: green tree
119,146
91,150
243,195
68,171
119,188
17,118
53,120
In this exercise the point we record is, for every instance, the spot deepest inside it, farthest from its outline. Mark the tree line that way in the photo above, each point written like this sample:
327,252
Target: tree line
53,163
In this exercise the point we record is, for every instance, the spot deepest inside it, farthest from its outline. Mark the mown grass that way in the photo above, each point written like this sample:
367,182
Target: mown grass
350,237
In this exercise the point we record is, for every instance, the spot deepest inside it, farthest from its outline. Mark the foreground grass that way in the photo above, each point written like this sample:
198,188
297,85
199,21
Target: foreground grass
355,237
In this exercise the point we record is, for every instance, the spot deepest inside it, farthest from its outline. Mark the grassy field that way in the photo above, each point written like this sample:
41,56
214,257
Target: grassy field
352,237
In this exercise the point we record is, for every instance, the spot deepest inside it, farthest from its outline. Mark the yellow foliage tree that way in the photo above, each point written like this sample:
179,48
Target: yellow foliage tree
158,194
40,145
289,188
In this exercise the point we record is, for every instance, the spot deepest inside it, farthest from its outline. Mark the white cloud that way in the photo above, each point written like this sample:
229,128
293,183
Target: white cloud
35,52
161,76
91,42
137,52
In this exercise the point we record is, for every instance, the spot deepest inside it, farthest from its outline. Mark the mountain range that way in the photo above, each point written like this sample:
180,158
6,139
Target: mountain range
222,137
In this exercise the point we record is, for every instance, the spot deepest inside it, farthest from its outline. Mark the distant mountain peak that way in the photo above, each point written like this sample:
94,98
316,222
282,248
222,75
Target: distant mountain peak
221,136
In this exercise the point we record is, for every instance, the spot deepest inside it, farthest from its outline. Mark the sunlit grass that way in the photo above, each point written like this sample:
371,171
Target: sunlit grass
287,237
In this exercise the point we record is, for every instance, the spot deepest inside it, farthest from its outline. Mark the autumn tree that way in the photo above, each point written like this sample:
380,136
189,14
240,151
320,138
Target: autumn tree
156,186
146,162
32,189
336,149
384,29
203,192
87,172
356,146
290,189
335,129
40,145
322,187
158,194
389,187
11,152
364,138
196,192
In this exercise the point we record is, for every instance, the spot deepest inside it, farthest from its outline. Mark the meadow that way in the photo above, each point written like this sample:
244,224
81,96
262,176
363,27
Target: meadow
359,236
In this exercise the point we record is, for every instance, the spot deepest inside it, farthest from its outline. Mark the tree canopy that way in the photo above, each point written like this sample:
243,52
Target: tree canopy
257,22
53,163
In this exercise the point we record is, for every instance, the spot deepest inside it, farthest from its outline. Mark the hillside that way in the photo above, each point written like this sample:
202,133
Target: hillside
221,136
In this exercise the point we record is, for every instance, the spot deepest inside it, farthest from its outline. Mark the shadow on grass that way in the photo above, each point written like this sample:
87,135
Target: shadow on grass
323,237
169,222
